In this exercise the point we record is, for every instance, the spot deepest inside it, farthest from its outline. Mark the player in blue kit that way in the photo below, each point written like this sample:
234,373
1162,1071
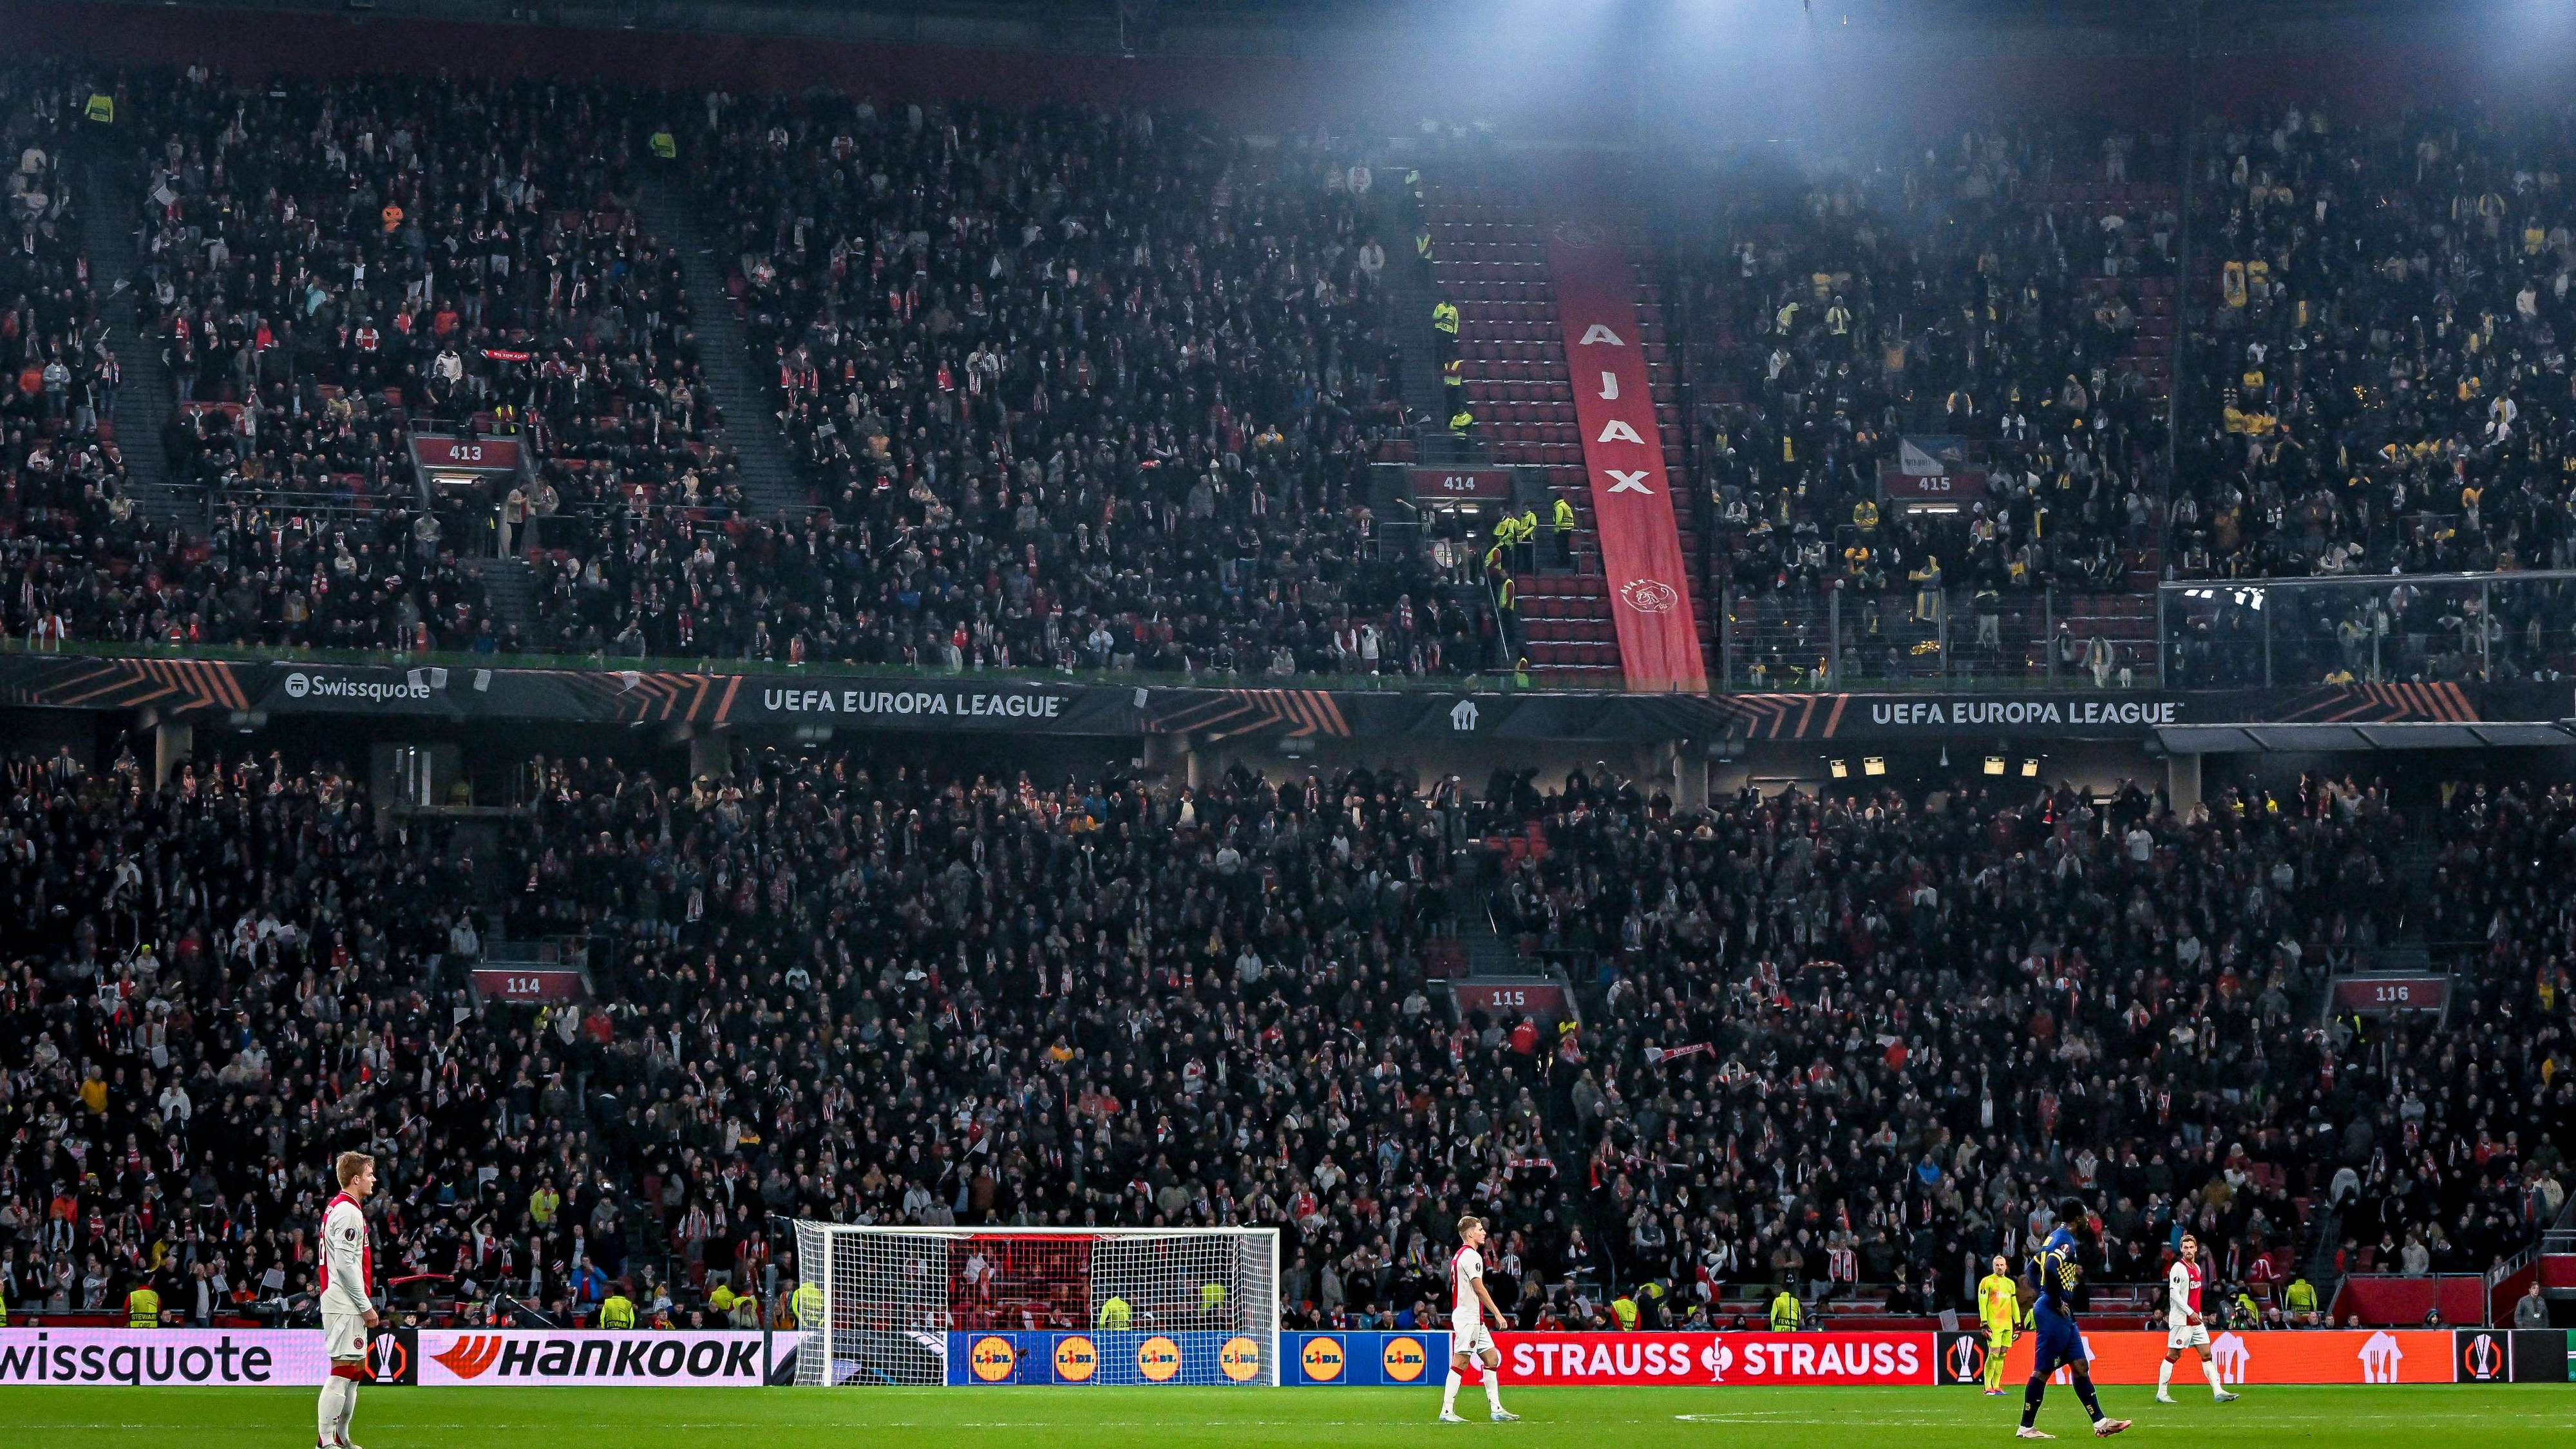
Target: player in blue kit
2057,1344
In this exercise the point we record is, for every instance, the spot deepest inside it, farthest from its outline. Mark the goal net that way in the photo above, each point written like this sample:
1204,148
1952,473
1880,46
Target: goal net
912,1305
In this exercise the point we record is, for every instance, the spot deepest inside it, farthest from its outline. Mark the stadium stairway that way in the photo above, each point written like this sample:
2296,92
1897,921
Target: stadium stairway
510,588
1488,256
2150,349
109,203
769,477
2126,621
1488,951
1409,297
2406,948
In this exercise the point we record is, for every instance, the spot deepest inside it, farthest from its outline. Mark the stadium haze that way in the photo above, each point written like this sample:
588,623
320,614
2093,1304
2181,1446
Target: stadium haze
1229,722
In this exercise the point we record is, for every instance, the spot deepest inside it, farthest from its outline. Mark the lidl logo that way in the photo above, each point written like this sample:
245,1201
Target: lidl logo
1321,1359
1158,1358
1076,1359
1240,1358
992,1358
1405,1359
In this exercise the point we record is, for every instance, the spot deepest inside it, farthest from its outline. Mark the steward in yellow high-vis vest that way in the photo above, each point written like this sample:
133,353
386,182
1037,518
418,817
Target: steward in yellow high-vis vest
143,1306
1785,1312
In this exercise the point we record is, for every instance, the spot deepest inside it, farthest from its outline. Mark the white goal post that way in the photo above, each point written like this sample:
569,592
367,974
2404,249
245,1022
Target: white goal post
1111,1306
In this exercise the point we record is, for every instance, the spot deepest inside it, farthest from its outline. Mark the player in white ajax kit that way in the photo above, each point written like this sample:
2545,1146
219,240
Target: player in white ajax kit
1470,1342
348,1278
2184,1326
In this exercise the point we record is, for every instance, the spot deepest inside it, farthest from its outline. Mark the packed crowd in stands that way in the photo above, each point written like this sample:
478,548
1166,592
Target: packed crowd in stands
79,558
2375,337
328,268
2383,385
1068,388
1072,388
1973,291
1850,1048
2384,388
1874,1040
1078,389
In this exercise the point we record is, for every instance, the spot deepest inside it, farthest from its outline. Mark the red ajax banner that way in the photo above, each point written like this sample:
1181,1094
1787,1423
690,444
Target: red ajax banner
1674,1359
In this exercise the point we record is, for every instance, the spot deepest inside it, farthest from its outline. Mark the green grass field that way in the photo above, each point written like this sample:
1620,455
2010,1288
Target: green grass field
2361,1418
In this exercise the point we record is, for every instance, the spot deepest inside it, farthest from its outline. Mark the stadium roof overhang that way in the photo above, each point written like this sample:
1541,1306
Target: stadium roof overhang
2331,738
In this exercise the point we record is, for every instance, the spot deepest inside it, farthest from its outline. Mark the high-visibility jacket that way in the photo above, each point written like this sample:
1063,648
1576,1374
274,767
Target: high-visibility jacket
1445,317
617,1312
1564,516
1529,524
664,146
1785,1312
1454,372
101,108
808,1301
143,1308
1461,420
1115,1314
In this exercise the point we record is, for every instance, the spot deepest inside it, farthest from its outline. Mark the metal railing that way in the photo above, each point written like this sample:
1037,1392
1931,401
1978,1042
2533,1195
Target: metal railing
2381,629
1951,638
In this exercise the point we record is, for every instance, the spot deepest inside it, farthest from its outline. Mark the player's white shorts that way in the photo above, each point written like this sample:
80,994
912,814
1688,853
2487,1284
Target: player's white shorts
344,1335
2192,1335
1469,1336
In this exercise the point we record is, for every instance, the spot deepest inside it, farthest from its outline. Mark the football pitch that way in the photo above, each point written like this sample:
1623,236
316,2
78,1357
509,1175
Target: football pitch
2478,1417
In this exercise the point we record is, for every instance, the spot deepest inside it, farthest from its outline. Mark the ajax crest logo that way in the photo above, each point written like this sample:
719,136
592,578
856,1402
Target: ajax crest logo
1158,1358
1240,1358
1076,1360
1405,1359
992,1359
1649,596
1322,1360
